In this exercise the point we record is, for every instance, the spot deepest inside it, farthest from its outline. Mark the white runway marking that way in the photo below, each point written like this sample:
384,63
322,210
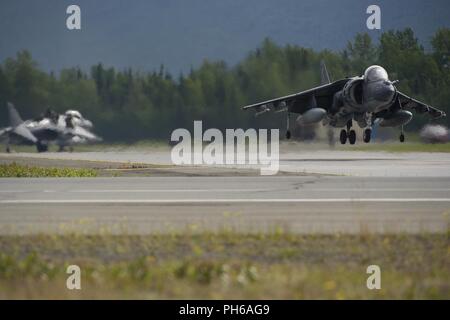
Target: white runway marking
166,190
226,190
186,201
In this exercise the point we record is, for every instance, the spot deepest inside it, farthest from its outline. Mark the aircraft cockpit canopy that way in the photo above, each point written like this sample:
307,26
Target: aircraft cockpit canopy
74,114
375,73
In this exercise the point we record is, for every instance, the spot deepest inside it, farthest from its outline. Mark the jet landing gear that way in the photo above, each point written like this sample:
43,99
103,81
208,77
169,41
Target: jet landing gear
288,132
352,136
41,147
349,134
402,136
8,146
367,135
343,136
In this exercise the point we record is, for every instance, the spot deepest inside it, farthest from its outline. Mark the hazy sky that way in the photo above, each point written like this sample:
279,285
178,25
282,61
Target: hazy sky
181,33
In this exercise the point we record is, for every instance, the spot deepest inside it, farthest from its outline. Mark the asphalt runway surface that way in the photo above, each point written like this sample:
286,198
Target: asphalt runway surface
300,204
298,159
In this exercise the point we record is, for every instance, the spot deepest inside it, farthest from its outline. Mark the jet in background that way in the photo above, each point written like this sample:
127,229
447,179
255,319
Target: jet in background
367,99
63,130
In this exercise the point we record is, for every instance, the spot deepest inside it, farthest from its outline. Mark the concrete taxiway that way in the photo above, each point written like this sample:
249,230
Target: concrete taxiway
301,204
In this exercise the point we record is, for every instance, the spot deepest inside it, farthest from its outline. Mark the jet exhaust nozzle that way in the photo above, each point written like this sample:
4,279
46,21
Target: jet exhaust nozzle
399,118
311,116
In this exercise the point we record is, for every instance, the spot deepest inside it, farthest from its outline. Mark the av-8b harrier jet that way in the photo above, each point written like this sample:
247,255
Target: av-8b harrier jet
64,130
366,99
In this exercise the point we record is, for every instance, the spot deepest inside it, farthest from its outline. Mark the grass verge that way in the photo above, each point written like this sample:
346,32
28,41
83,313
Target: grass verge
24,171
225,265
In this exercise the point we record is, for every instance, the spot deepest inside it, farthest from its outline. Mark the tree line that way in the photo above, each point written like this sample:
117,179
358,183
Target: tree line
126,105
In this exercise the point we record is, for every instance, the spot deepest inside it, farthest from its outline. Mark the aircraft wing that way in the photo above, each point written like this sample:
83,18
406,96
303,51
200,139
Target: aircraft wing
4,131
85,134
22,131
299,102
44,131
419,107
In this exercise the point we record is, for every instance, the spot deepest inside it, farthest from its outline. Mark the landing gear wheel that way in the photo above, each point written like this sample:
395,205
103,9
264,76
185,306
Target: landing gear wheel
367,135
41,147
288,134
352,136
402,137
343,136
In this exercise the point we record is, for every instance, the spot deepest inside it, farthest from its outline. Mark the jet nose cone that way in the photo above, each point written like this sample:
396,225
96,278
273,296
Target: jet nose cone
385,92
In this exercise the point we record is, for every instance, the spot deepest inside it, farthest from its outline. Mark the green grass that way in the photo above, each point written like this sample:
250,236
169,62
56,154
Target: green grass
21,171
226,265
100,146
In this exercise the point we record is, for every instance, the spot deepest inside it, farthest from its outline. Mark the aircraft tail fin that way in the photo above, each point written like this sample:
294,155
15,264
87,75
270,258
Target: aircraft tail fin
18,126
324,76
14,117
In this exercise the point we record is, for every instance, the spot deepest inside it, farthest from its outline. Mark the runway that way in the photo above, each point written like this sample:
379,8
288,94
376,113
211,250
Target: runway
293,159
300,204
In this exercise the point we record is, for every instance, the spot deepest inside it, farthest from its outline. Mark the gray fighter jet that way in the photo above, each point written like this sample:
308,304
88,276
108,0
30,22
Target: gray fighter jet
368,99
63,130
